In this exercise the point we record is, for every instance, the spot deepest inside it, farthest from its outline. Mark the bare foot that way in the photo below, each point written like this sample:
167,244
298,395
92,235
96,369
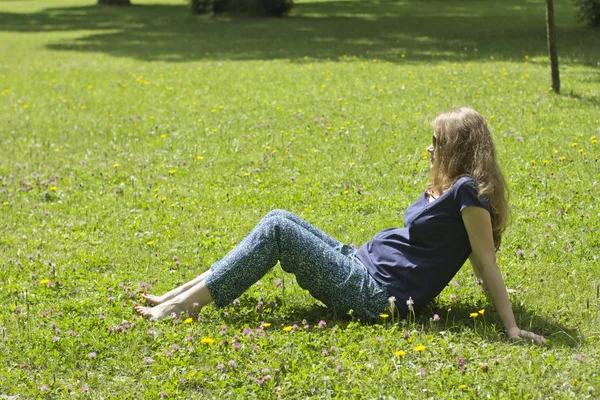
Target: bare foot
158,312
154,299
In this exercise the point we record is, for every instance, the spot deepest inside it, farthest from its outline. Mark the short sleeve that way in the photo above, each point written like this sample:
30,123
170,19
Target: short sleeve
467,196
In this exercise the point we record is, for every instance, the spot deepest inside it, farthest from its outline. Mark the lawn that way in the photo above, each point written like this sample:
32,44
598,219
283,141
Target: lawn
138,145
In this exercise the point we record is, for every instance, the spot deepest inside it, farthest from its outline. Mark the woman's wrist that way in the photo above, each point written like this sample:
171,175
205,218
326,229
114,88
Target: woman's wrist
513,331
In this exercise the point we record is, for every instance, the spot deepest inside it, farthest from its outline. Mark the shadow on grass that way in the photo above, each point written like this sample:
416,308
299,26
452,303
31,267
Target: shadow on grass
454,320
458,318
593,100
432,31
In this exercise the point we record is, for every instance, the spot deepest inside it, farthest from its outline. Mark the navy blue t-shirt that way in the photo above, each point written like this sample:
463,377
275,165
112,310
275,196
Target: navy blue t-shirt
419,260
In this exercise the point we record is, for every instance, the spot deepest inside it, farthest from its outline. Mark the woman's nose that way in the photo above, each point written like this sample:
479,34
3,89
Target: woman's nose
430,148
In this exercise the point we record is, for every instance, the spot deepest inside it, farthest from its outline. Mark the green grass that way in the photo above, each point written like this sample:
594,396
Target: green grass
133,135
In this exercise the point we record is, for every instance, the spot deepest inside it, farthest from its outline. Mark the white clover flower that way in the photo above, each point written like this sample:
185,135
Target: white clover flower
392,301
410,303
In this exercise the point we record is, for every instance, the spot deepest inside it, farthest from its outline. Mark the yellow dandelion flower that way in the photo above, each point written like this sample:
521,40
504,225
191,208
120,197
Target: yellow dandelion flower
574,144
419,348
462,386
172,171
563,158
164,135
149,243
473,315
53,189
400,353
5,203
25,105
44,281
266,325
287,328
188,320
163,198
546,161
481,311
207,340
115,165
384,316
199,157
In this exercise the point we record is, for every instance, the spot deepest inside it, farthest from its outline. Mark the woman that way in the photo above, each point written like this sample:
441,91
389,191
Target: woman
462,215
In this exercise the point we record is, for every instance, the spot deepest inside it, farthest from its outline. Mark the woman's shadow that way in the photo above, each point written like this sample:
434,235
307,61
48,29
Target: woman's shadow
451,317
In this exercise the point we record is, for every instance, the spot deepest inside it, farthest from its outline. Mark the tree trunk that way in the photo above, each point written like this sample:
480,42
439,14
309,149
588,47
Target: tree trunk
552,45
114,2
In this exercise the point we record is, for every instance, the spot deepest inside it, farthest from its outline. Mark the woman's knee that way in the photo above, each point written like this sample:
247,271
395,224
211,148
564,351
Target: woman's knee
278,213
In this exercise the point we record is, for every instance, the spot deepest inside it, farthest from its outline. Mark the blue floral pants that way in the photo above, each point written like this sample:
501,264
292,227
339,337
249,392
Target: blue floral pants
328,269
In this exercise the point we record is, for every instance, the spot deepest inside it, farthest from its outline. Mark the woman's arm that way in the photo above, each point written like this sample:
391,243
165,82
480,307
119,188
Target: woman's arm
479,228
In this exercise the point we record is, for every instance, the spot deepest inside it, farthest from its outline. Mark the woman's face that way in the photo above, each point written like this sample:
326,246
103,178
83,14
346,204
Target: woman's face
431,149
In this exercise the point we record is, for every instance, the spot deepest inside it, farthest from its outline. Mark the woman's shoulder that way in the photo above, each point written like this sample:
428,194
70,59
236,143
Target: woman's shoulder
464,179
467,191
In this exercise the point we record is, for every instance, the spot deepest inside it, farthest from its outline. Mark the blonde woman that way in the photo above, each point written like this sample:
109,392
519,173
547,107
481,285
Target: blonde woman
461,215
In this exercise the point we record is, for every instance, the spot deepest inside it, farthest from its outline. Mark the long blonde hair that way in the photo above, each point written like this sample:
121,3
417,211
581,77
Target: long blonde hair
464,146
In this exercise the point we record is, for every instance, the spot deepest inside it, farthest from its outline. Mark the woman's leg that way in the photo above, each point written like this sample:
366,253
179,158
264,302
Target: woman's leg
283,213
332,275
169,295
338,280
331,241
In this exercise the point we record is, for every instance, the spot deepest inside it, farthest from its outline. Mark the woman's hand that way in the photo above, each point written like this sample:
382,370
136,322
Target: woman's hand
518,334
